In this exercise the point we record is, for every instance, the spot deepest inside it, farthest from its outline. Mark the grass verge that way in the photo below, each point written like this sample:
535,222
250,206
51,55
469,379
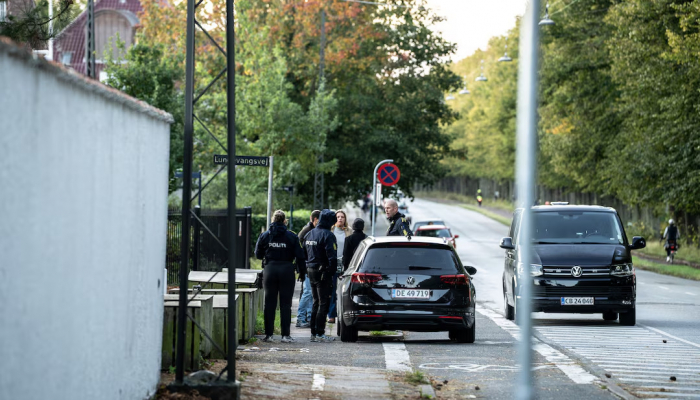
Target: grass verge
685,253
383,333
416,378
681,271
504,220
260,324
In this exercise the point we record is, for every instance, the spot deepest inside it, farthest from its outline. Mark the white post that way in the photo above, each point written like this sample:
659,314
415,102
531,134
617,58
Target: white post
374,188
49,56
269,192
526,171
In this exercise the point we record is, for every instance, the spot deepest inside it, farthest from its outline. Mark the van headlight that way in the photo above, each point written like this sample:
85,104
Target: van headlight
622,270
535,269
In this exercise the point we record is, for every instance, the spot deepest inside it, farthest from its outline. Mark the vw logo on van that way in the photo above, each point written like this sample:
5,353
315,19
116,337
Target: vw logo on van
576,271
410,281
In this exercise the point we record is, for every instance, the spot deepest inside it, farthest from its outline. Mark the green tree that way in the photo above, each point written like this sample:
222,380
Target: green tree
149,74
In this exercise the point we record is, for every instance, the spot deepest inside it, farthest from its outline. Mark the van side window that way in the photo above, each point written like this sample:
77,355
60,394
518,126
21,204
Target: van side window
515,226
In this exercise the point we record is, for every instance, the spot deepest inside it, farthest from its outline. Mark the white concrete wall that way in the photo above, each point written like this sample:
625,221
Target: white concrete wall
83,213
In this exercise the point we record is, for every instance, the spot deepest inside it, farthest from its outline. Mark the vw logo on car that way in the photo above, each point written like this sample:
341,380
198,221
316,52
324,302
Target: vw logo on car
576,271
411,281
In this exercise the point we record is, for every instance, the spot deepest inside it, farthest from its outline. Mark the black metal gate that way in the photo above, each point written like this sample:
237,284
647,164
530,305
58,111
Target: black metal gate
207,252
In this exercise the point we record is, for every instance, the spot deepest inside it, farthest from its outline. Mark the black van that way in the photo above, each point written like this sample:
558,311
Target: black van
581,263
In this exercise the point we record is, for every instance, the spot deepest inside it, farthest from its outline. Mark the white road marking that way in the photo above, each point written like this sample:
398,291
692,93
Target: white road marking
663,287
671,336
692,294
318,383
561,360
396,357
636,355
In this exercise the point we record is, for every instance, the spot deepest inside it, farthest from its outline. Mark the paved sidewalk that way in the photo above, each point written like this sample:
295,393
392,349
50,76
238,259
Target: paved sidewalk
291,381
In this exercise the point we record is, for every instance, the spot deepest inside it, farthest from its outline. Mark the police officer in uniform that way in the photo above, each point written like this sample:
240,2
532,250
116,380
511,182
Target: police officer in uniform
279,248
321,263
398,226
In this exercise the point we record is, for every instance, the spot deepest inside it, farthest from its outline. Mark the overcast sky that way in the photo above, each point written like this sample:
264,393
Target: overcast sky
471,23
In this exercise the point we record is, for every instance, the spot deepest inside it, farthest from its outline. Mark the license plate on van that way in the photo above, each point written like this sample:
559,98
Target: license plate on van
410,294
577,301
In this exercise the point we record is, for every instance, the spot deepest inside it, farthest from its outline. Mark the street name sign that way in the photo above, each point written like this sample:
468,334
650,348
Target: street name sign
251,161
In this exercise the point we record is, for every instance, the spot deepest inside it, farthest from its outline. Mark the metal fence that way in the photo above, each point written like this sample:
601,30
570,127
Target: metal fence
207,241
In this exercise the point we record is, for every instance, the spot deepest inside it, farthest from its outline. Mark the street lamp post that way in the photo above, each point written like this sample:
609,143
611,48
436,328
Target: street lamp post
374,187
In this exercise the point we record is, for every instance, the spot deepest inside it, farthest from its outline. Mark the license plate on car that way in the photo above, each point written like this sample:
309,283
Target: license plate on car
410,294
577,301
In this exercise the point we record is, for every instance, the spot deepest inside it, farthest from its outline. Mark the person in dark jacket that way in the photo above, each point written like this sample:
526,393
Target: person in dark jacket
279,248
398,226
321,263
305,298
352,241
315,215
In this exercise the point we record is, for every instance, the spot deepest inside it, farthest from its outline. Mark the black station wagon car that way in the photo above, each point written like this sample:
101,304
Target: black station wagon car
581,263
416,284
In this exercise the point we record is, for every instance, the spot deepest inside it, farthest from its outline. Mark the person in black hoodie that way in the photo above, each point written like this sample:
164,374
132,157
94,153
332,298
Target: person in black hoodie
352,241
279,248
321,262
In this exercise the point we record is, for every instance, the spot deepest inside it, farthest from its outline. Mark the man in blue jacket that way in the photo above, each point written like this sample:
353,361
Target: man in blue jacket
321,263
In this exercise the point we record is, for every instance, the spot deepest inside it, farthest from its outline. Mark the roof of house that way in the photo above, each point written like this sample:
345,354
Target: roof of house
72,38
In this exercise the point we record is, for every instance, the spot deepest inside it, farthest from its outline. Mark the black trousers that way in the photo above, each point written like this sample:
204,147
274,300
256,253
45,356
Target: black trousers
321,288
278,281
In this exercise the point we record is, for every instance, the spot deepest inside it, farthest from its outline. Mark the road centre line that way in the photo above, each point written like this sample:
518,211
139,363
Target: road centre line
650,361
644,368
671,336
318,383
574,371
661,373
667,394
396,357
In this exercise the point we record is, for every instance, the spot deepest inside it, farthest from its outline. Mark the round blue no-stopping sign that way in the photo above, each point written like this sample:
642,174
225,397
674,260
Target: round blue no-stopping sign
389,174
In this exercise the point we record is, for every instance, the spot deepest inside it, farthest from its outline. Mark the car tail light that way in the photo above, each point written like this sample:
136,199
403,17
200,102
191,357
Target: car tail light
460,279
361,277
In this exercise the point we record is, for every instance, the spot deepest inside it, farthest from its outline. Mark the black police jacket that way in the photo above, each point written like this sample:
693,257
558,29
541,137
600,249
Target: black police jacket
398,226
320,244
280,244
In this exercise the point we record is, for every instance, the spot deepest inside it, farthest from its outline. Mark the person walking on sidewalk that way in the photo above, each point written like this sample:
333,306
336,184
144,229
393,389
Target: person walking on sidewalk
353,241
305,299
321,263
279,248
341,230
398,226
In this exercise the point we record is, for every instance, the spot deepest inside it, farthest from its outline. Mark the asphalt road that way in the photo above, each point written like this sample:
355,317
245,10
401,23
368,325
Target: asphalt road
637,358
575,356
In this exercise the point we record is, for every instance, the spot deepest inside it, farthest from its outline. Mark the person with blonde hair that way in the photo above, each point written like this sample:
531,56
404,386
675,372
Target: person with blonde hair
279,248
341,230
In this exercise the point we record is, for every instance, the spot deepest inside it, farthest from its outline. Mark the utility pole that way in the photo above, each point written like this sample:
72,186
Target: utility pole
318,179
90,48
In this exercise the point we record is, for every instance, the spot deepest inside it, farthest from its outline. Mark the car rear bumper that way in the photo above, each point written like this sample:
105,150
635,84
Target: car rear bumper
600,304
416,321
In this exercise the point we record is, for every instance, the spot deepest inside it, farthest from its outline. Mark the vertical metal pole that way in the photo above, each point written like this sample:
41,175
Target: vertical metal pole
196,238
199,200
318,179
90,48
526,172
269,191
186,189
291,208
374,189
49,56
231,108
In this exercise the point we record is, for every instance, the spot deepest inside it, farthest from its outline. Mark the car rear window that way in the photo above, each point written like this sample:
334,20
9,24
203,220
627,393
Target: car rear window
413,258
577,227
438,233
